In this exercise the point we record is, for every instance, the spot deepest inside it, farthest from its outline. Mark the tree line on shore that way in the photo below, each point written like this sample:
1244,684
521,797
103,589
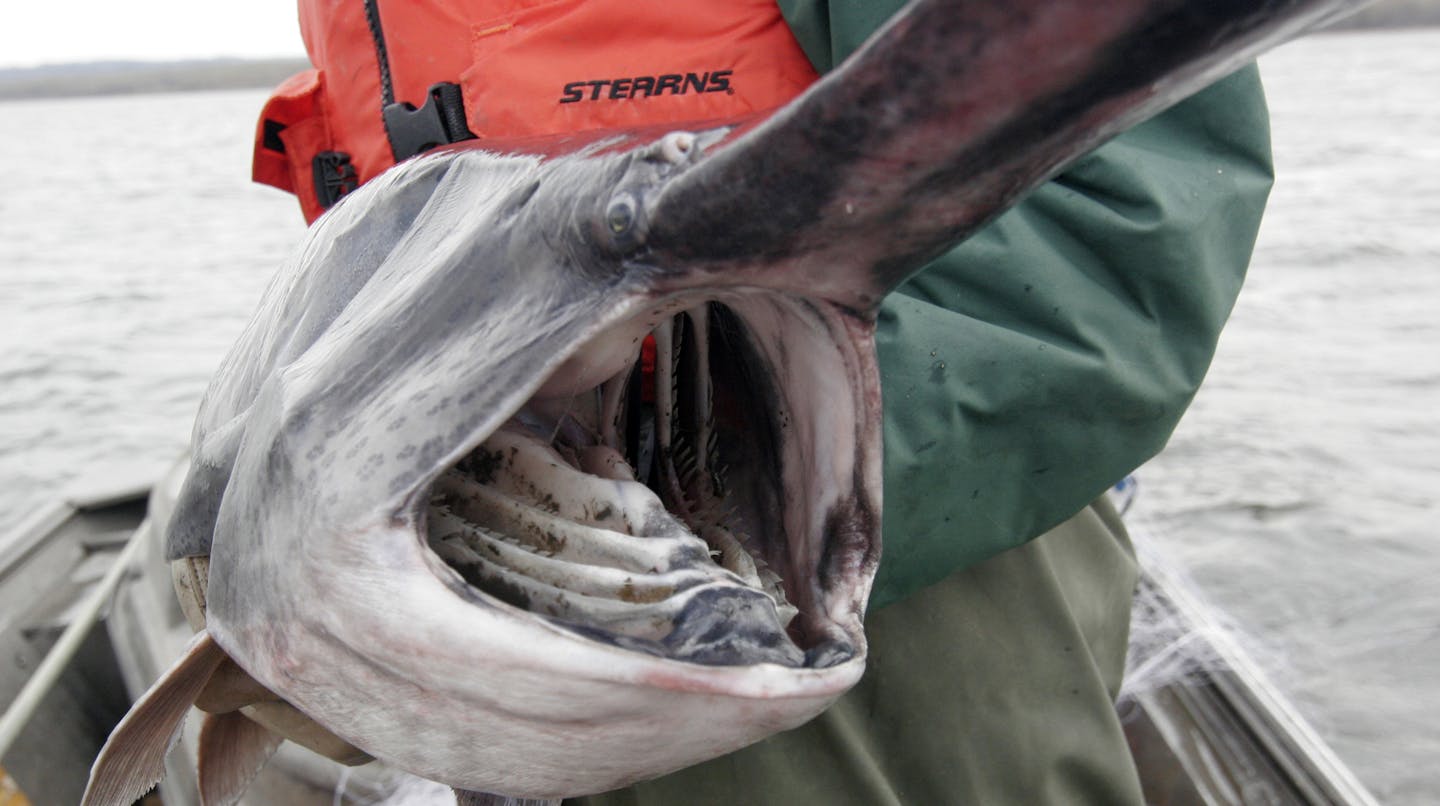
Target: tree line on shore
116,78
120,78
1394,14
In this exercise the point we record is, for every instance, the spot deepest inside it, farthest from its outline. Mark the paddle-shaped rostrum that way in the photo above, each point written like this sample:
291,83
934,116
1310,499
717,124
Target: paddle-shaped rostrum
452,517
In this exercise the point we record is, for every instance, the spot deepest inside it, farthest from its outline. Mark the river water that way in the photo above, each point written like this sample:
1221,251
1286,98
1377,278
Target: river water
1302,489
1301,492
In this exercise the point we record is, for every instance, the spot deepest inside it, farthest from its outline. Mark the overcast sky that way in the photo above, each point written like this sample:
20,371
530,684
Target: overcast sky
54,31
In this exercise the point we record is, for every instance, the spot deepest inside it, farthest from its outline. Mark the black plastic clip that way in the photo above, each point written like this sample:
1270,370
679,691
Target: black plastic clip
441,120
334,177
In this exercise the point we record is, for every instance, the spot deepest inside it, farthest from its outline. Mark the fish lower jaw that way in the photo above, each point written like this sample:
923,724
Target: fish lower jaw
458,687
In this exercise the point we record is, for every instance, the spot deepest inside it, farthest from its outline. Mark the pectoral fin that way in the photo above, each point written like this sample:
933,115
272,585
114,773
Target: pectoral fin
233,750
231,688
133,758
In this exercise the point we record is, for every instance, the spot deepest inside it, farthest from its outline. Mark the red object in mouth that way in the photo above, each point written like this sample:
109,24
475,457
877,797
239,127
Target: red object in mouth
647,369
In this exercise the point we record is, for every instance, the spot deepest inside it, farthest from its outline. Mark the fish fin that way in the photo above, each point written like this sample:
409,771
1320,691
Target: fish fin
230,688
133,758
233,750
465,797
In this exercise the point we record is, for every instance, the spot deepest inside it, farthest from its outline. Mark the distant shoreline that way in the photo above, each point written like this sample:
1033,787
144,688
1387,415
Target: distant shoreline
1393,14
133,77
125,78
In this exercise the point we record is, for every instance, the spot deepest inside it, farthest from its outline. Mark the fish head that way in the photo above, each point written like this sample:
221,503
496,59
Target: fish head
465,527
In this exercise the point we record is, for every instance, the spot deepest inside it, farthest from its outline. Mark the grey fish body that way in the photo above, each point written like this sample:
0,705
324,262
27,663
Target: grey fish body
468,316
592,602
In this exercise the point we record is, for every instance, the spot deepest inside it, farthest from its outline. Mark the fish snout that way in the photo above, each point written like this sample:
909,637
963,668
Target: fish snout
675,148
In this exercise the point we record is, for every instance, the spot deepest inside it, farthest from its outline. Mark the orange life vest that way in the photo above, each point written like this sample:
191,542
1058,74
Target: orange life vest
394,79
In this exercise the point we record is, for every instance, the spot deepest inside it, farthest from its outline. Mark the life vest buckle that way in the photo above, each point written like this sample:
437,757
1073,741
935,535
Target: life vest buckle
334,177
441,120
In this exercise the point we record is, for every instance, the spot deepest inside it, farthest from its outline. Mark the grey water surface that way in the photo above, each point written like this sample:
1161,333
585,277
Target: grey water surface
133,249
1301,491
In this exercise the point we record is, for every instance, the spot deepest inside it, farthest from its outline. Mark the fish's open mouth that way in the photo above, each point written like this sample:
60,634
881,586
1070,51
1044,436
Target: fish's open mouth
688,505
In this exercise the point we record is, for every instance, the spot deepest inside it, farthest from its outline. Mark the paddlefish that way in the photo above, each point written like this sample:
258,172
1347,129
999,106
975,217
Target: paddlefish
546,467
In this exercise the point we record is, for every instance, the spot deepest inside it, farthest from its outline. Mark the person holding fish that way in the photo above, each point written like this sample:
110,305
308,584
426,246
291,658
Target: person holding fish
1023,372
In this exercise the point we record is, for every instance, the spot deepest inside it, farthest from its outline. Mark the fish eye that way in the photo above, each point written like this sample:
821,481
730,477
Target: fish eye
620,214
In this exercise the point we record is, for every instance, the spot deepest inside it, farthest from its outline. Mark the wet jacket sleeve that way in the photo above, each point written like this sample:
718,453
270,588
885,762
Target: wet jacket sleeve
1052,353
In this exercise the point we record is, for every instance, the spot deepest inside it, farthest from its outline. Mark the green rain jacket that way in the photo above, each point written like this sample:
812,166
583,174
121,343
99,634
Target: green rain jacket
1035,365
